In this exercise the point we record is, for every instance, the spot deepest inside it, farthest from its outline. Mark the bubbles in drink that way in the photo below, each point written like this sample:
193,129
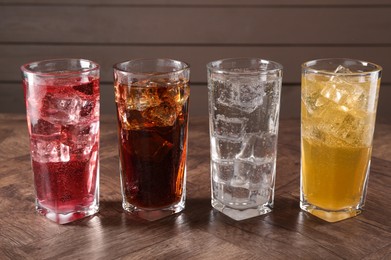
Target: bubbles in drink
153,128
244,123
337,123
225,148
43,127
338,106
49,149
148,104
241,183
63,119
231,128
258,147
224,170
244,93
81,137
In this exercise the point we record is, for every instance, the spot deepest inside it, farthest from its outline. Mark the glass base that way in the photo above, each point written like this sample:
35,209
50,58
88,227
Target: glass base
330,215
243,213
67,217
153,214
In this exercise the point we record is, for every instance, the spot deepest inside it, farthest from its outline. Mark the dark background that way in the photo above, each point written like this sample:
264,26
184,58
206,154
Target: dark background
196,31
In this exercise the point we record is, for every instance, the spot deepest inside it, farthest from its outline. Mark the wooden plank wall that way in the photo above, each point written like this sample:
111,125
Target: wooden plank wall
195,31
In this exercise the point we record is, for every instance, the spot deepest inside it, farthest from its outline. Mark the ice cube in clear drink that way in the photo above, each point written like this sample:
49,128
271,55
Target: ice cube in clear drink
258,147
231,128
247,94
235,196
224,149
223,169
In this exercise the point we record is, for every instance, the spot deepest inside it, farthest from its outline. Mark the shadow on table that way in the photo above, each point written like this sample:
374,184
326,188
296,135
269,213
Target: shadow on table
112,214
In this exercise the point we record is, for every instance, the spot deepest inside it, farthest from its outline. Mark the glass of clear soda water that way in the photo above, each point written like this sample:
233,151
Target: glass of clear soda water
62,102
244,104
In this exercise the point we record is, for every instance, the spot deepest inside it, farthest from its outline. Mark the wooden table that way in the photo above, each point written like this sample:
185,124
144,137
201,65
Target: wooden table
199,231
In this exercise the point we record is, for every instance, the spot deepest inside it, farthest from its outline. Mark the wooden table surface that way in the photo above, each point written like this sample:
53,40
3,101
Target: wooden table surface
199,232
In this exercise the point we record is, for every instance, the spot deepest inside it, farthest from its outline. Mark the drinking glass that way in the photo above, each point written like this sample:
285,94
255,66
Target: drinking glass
152,97
338,109
62,102
244,104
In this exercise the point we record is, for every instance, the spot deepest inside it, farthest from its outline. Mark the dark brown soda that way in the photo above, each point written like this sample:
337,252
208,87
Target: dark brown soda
152,155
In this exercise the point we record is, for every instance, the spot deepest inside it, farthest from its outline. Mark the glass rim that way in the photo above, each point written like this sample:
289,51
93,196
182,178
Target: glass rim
210,66
25,68
307,66
116,67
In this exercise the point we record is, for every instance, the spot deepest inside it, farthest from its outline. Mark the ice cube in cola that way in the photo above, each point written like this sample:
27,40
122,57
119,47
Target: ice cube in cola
152,125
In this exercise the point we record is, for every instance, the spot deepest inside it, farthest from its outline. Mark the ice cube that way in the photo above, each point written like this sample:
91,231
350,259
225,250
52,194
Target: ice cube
258,147
271,105
242,171
34,102
61,109
253,174
222,92
81,138
236,194
184,93
171,92
321,101
335,92
245,94
311,92
49,149
344,89
164,114
223,169
89,108
342,70
357,98
338,125
43,127
132,119
141,98
224,149
260,196
177,94
231,128
263,173
218,190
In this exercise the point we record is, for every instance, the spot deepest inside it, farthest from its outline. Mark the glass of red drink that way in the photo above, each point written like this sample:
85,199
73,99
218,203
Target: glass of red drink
62,102
152,97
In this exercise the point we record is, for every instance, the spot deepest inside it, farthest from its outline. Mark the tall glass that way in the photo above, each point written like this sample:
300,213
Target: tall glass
152,98
338,109
244,104
62,101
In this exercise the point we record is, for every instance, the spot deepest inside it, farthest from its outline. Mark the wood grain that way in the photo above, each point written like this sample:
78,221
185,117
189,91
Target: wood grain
199,232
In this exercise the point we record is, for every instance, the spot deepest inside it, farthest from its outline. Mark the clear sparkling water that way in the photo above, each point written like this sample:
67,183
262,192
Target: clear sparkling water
243,127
